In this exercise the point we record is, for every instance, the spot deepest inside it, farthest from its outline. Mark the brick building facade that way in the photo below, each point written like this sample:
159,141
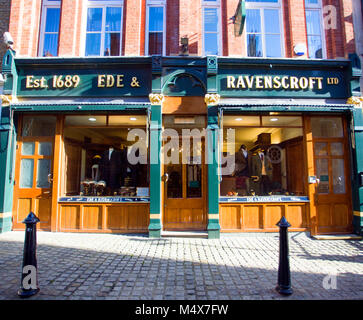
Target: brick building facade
86,72
4,23
183,18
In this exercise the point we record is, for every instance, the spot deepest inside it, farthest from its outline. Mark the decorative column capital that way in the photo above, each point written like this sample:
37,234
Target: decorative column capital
357,101
7,99
211,99
156,98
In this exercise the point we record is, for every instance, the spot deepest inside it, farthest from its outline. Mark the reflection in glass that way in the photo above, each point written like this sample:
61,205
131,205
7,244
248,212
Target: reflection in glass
338,175
254,45
51,30
94,19
28,148
113,19
211,44
38,126
315,45
45,148
175,182
210,20
253,21
322,173
336,149
42,173
26,173
321,148
327,127
273,45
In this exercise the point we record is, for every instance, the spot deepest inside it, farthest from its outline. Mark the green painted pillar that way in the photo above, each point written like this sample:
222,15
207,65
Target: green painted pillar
212,149
7,150
357,187
155,166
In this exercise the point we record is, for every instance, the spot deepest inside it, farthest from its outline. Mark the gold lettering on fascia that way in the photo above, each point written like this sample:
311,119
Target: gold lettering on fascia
73,81
279,82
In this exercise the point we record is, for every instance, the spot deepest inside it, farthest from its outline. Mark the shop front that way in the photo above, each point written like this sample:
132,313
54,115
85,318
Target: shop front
154,144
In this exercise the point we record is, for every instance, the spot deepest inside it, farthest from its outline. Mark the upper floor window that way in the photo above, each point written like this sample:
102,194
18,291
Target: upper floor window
314,29
49,28
264,28
155,28
104,28
211,27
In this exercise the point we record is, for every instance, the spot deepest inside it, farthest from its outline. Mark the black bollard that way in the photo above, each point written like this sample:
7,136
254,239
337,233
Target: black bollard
284,278
29,278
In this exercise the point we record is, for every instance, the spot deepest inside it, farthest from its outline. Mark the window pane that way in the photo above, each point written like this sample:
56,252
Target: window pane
313,22
253,21
112,44
155,43
211,44
94,19
50,47
322,173
272,21
274,1
45,148
210,20
273,45
254,45
327,127
38,126
52,23
26,173
93,44
315,47
307,2
42,173
338,176
113,19
336,149
321,148
156,18
175,182
28,148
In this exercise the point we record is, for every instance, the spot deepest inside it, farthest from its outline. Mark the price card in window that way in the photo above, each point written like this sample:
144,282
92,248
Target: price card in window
142,192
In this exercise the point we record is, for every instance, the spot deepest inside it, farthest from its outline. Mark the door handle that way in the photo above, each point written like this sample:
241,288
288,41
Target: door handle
165,177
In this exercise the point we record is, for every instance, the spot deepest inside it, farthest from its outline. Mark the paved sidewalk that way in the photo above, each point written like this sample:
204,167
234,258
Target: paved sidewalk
109,266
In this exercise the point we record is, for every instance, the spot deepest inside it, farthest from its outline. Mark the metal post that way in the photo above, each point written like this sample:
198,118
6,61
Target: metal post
284,278
29,278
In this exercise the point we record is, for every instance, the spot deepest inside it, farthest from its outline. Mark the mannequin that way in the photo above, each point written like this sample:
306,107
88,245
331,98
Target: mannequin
96,167
259,168
242,170
111,168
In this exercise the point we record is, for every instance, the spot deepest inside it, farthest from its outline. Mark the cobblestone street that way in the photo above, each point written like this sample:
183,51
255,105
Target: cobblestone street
106,266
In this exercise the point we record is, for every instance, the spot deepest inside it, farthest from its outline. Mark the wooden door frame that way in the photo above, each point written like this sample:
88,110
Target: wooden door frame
310,162
204,186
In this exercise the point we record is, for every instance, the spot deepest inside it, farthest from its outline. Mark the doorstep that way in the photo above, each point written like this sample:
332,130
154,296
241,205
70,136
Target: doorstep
184,234
337,237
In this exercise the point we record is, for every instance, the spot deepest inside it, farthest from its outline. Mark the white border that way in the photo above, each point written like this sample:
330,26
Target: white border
99,4
267,5
213,4
155,3
316,7
45,5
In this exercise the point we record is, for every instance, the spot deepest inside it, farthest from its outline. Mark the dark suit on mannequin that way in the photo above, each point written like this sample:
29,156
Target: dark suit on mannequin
259,167
111,168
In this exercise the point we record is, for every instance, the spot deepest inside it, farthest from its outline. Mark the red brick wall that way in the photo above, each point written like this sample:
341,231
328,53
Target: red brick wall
184,18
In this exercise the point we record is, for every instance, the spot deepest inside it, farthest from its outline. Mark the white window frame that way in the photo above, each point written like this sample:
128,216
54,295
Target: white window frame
261,6
316,7
103,5
149,4
46,5
212,4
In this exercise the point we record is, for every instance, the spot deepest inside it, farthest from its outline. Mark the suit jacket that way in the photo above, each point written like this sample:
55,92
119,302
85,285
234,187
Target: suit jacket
111,168
255,166
241,164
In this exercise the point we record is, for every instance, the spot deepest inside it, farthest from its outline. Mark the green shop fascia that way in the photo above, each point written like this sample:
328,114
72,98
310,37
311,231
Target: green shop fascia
46,166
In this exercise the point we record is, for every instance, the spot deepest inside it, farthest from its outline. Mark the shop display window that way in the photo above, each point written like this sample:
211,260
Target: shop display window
106,156
268,156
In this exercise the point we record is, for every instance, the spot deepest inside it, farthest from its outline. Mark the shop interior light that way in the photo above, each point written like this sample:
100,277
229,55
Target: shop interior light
274,119
133,119
238,119
92,119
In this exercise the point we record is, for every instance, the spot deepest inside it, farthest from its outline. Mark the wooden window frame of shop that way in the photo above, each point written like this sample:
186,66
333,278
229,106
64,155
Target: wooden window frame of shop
263,207
310,161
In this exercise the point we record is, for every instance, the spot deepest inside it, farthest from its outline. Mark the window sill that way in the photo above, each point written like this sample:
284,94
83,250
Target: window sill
95,199
257,199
